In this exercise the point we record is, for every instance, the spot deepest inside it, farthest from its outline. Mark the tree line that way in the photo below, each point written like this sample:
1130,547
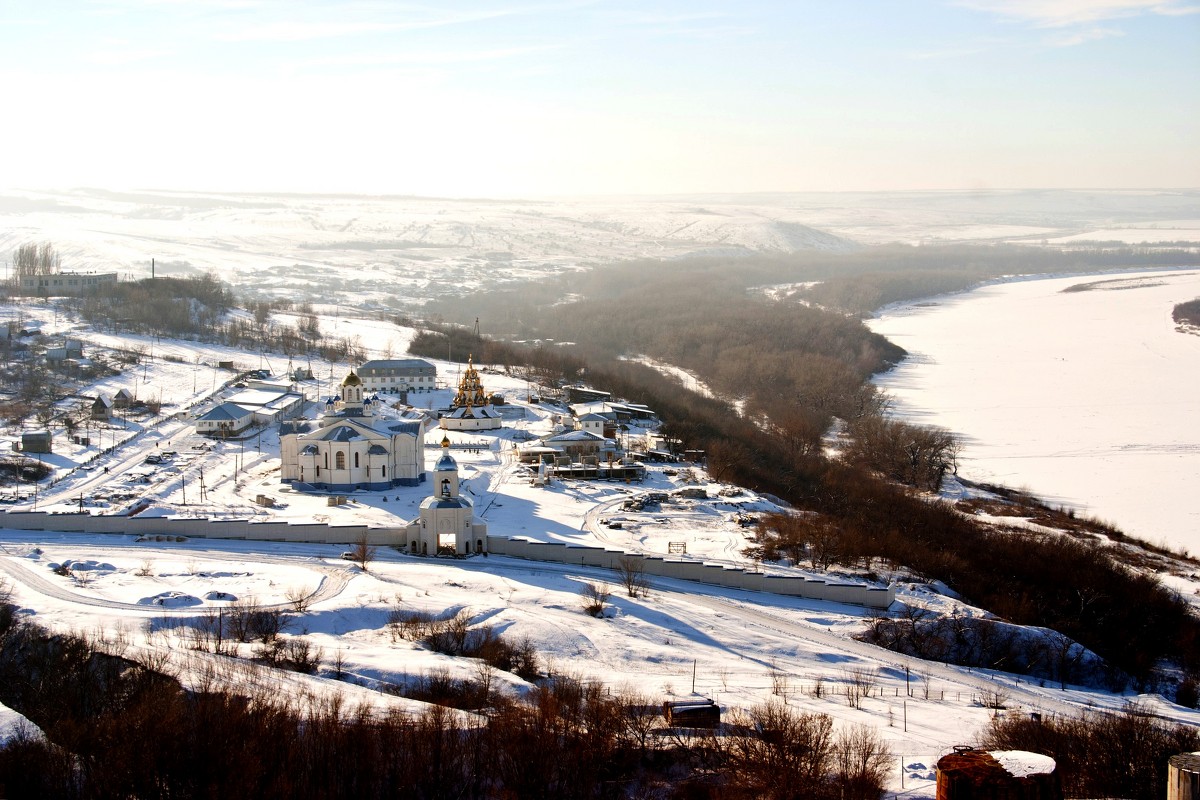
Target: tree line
1073,586
199,307
116,727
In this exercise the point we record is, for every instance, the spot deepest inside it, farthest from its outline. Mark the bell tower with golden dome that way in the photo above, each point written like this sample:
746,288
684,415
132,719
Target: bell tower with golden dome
472,408
470,388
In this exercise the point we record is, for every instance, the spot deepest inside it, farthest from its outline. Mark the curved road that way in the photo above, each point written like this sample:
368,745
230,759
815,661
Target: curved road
333,579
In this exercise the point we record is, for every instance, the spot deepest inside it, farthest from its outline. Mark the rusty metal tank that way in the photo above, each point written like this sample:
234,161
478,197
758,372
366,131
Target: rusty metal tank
970,774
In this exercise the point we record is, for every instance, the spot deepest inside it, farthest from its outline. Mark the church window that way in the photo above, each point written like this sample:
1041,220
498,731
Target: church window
356,460
383,472
339,460
327,461
445,488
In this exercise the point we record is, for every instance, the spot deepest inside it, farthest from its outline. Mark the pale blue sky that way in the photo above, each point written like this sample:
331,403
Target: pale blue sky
594,97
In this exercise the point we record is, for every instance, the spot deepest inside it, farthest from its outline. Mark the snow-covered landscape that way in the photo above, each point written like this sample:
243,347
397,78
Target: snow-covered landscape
1046,414
400,252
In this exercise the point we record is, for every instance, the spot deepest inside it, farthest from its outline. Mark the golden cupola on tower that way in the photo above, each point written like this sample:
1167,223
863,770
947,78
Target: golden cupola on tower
472,408
470,388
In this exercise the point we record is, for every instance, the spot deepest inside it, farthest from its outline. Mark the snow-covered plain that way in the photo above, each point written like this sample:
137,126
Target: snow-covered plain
348,254
400,252
747,648
1079,389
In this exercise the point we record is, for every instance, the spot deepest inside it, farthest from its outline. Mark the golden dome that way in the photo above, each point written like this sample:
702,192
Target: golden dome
352,380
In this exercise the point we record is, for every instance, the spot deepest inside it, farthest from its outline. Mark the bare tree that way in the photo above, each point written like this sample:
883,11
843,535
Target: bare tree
632,573
915,455
299,597
33,259
362,551
594,596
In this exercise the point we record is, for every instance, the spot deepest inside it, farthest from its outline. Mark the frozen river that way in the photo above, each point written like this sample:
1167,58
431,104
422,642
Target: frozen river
1086,398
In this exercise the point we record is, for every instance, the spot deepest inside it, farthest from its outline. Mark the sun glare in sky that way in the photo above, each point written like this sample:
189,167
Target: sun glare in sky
570,98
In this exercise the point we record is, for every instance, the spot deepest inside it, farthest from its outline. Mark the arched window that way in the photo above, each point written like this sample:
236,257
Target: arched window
356,460
339,460
383,472
326,460
446,488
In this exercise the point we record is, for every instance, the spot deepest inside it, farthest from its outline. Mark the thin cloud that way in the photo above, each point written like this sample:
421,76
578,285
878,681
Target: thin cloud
1073,38
431,58
309,31
1066,13
119,56
950,52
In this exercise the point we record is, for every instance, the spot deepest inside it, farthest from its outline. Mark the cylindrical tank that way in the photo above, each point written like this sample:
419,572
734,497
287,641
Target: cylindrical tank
970,774
1183,777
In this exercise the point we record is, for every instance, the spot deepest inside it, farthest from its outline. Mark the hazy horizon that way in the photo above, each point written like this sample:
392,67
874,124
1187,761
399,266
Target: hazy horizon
601,99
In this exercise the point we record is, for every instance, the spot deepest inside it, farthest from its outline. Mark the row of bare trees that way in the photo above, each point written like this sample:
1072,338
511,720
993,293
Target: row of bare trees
32,258
120,728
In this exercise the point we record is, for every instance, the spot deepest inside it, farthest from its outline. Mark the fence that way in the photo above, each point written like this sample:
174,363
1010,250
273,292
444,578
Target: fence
321,533
689,570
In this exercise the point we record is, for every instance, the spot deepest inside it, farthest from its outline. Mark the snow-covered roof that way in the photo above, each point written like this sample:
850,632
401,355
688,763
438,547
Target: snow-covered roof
261,397
436,501
473,412
576,436
395,363
339,433
226,411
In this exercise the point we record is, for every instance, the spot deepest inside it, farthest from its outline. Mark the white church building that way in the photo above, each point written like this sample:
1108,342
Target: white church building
447,524
354,447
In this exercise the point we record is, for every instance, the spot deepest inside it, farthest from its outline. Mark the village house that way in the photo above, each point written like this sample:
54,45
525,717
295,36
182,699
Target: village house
64,283
102,407
227,419
398,375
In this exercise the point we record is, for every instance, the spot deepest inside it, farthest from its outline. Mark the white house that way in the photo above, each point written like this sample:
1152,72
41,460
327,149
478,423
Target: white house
395,375
227,419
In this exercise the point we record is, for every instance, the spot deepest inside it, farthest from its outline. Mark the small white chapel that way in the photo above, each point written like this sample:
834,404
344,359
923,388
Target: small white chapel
447,524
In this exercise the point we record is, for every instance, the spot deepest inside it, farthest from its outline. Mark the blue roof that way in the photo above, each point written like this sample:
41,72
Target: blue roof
394,363
225,411
342,433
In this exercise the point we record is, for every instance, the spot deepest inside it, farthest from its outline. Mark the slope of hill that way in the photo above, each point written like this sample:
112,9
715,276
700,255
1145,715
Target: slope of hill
744,648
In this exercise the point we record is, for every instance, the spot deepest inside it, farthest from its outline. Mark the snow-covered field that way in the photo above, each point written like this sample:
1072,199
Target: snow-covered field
1089,398
745,648
400,252
349,254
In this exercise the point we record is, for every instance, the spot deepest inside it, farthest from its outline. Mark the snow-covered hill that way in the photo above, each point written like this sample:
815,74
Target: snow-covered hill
399,252
745,648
